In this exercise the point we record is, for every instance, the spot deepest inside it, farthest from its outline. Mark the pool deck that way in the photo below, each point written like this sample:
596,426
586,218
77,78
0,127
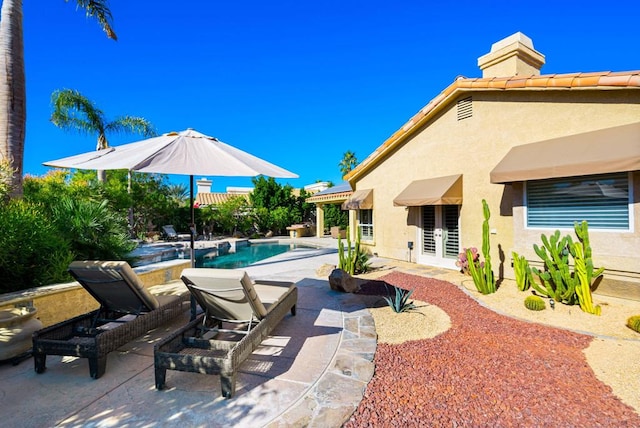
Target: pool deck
312,371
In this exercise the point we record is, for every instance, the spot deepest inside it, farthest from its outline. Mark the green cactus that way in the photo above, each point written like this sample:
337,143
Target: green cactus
557,280
633,322
352,259
488,273
481,272
535,303
584,273
522,271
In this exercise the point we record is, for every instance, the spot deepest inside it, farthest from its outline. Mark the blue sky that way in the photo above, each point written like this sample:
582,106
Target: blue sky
294,82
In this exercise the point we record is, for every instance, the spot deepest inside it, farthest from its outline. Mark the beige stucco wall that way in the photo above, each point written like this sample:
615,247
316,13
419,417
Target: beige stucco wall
474,146
56,303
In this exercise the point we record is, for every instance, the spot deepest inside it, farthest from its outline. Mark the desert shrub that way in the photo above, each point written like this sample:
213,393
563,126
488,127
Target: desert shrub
95,231
399,302
535,303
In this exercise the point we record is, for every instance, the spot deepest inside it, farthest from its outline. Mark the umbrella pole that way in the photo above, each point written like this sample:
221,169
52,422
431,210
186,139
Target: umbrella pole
192,228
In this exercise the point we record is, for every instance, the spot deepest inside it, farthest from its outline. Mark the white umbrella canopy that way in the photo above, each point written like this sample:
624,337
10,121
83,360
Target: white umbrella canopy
185,153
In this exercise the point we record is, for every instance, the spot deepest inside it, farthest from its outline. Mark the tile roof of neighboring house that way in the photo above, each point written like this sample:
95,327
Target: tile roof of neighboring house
329,197
217,198
339,192
573,81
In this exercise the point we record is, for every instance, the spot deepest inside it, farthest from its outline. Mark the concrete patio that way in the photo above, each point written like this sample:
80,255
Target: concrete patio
311,372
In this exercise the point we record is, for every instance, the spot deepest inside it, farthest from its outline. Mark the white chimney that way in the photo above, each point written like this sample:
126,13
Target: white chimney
204,185
512,56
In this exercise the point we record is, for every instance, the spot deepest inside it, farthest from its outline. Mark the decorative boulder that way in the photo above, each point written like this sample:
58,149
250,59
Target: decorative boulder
325,270
340,280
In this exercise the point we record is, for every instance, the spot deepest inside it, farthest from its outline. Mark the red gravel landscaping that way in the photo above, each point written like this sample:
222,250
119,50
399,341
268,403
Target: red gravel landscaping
488,370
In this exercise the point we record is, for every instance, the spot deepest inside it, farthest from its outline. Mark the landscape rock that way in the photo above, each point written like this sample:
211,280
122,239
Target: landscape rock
340,280
325,270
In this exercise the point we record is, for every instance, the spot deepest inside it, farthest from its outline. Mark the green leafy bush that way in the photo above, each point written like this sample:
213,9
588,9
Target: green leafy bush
32,252
94,230
535,303
335,216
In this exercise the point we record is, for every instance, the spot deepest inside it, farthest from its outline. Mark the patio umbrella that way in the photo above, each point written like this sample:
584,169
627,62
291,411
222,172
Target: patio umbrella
185,153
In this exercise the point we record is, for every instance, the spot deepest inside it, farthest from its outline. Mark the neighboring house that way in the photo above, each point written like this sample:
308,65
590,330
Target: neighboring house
543,150
336,195
206,197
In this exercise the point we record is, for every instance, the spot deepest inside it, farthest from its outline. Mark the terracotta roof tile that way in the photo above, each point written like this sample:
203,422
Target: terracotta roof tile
217,198
329,197
614,80
567,81
496,83
585,80
517,82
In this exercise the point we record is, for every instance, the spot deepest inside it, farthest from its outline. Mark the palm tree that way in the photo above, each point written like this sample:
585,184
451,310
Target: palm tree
74,111
13,108
348,162
179,193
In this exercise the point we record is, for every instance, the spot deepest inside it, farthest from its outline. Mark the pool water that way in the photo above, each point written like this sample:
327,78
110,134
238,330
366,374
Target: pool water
244,256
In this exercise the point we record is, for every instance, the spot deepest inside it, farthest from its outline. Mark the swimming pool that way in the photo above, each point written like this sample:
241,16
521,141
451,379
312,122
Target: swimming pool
147,254
244,256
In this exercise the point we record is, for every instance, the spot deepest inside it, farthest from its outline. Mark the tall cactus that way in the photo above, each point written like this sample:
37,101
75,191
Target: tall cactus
348,257
488,273
581,252
481,272
522,271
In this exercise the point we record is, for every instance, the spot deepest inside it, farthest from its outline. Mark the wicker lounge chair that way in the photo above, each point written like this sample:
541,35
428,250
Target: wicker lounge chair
127,310
226,296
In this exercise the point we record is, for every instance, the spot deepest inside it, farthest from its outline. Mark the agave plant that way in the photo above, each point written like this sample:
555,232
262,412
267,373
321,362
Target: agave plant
400,302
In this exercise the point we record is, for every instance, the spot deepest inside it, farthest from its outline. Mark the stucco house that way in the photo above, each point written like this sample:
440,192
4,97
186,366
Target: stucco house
543,150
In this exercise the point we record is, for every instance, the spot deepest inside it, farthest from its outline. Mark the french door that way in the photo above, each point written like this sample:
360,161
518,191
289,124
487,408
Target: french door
439,236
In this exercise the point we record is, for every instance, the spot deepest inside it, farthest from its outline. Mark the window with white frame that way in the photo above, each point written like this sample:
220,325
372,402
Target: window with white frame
365,224
602,200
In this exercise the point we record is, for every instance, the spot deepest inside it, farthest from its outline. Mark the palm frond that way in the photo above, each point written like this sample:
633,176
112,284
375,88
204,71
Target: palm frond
132,124
99,9
72,110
